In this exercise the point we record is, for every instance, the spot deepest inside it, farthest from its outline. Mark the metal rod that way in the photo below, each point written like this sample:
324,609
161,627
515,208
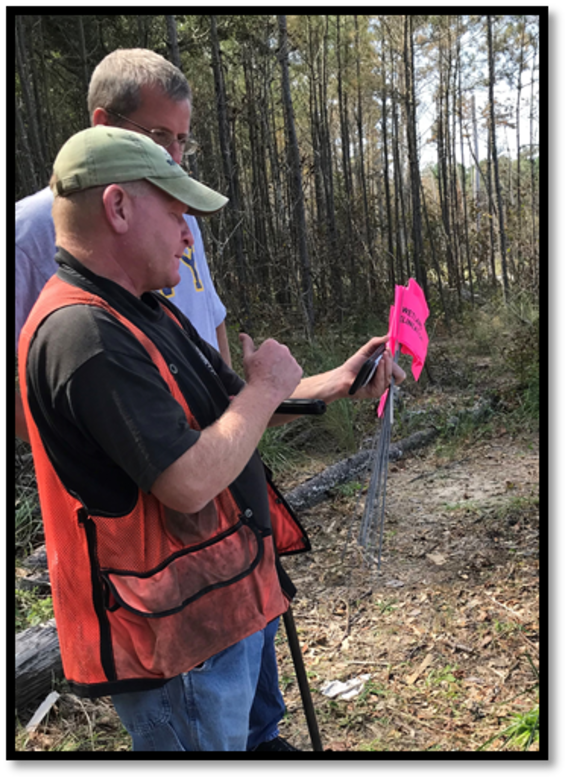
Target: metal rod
302,681
390,412
372,524
384,495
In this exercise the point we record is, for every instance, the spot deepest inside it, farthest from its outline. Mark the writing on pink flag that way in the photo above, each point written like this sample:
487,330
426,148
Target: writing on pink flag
411,333
407,328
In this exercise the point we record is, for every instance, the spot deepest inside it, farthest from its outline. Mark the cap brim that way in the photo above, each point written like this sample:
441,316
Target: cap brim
200,200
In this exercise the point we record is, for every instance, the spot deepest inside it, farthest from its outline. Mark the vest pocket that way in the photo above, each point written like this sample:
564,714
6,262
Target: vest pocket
188,574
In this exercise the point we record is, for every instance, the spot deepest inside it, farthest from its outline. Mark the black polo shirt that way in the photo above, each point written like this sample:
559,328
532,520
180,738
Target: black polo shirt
107,418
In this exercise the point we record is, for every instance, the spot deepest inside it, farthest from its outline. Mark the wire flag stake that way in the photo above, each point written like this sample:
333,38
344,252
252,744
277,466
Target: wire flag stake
407,334
372,525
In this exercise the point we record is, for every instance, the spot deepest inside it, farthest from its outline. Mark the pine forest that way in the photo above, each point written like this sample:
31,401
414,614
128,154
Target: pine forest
357,151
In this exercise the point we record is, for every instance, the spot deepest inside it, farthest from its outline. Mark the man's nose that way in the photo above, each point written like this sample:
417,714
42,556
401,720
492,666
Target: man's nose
188,235
176,151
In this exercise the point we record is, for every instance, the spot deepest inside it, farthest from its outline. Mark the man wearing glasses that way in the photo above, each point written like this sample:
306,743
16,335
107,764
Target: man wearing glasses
139,90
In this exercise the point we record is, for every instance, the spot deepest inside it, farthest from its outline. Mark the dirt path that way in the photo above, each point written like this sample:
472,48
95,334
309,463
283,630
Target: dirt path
449,631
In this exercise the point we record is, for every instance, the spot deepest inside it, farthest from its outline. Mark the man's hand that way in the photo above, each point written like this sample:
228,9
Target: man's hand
335,384
271,368
225,447
385,370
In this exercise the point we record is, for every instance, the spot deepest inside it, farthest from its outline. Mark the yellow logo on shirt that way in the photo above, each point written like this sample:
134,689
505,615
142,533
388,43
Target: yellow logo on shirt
188,259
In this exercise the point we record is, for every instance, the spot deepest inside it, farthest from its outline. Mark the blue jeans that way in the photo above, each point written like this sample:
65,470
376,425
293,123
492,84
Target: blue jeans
231,702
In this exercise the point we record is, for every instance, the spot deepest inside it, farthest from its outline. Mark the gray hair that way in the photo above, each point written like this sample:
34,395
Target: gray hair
118,78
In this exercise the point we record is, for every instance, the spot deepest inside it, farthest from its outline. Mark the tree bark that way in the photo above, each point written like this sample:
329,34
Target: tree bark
443,148
296,182
534,205
518,241
39,167
502,237
317,489
38,664
336,271
463,176
345,155
413,161
173,47
230,171
386,167
368,232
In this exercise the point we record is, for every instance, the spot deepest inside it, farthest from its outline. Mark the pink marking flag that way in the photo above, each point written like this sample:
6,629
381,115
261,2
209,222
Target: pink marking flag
407,328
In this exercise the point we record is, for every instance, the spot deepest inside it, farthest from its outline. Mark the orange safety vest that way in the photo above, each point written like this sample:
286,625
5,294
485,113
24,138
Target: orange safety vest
141,598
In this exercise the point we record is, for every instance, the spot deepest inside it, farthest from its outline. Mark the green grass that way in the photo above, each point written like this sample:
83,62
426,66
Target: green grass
522,732
278,455
31,610
28,523
523,729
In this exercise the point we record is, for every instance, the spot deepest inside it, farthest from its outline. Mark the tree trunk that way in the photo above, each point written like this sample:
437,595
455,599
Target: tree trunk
363,182
502,237
476,176
316,129
33,134
296,182
534,205
85,70
259,204
413,161
229,168
490,209
320,231
400,211
345,156
463,176
434,253
270,142
336,271
519,242
386,167
442,145
26,176
455,220
173,47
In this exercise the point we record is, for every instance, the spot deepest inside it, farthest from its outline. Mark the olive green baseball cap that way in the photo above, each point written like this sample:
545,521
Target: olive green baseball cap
111,155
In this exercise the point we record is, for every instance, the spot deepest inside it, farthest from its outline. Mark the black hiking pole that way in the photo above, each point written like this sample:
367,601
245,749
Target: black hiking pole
302,681
302,406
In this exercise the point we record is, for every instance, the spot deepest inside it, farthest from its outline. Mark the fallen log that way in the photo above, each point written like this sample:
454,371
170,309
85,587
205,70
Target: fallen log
38,577
38,663
317,489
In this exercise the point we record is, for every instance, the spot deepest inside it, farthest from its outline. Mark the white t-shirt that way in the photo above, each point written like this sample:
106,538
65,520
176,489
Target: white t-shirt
195,295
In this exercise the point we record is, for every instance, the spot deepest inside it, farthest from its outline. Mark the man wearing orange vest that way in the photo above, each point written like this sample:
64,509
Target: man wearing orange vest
163,531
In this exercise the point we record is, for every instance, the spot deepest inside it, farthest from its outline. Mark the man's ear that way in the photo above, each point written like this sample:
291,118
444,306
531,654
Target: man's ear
118,209
100,117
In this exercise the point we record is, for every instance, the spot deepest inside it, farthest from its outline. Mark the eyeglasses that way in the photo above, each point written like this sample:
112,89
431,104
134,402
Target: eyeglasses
162,137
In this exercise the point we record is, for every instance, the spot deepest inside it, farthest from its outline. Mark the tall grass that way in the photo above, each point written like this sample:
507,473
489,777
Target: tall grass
510,333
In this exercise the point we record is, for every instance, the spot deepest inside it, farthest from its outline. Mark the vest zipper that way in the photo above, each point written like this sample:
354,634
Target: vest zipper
98,596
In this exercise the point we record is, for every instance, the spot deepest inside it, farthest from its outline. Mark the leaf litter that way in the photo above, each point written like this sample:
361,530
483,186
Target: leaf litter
449,630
